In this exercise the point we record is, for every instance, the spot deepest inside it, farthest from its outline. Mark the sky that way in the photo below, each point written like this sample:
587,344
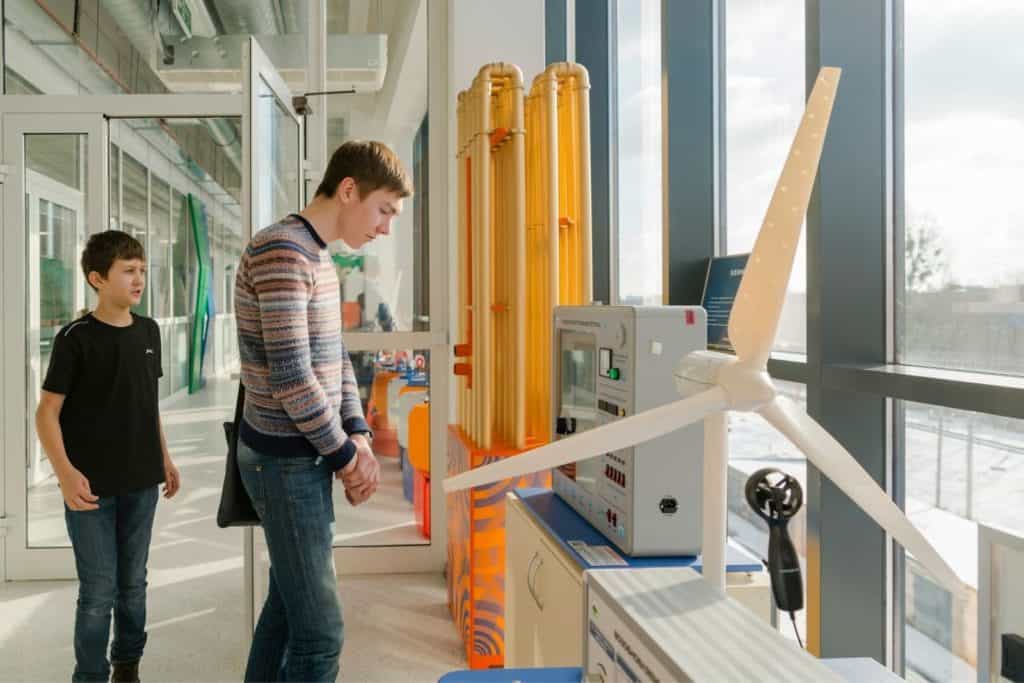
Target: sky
964,130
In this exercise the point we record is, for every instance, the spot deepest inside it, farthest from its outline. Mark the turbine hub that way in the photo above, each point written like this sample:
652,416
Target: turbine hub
748,387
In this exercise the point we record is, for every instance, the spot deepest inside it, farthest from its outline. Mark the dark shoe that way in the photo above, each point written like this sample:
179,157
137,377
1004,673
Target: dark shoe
125,672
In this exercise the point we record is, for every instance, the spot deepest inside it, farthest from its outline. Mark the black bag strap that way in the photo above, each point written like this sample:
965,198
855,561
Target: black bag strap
239,408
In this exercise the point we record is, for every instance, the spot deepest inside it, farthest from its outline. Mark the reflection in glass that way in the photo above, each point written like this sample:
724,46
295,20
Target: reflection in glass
115,187
179,253
55,210
276,158
403,257
159,249
395,388
960,468
763,104
960,302
420,209
135,189
368,304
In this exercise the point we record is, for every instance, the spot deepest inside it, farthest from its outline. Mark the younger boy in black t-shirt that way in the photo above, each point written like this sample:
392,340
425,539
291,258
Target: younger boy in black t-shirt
99,423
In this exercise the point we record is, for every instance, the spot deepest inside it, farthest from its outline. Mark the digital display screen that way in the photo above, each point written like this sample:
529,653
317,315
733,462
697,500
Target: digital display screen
577,408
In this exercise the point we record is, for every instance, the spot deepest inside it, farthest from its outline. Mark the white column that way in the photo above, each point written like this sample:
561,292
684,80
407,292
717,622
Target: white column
716,467
316,81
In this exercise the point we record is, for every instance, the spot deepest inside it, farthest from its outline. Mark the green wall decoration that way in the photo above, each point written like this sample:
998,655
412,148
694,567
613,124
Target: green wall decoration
203,312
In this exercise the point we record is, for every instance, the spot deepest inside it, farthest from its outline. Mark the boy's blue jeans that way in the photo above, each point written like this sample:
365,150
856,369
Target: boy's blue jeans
111,548
300,629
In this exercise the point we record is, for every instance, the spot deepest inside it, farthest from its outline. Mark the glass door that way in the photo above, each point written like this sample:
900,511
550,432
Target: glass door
71,167
395,311
272,141
52,202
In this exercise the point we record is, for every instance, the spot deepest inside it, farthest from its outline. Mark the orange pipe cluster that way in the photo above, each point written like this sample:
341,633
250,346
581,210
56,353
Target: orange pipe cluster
524,243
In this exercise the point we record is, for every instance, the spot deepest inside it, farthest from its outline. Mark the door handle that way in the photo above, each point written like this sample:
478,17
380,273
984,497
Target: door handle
536,562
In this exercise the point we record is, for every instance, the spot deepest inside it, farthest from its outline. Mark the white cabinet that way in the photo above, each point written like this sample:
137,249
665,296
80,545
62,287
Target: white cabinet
544,594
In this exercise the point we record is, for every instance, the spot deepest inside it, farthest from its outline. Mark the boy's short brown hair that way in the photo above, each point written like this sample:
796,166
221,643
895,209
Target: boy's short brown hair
371,164
105,247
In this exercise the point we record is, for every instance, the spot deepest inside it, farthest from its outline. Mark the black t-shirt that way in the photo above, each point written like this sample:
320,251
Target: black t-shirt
110,418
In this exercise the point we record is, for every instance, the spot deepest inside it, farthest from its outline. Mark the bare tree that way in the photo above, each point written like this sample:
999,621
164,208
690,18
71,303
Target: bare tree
925,262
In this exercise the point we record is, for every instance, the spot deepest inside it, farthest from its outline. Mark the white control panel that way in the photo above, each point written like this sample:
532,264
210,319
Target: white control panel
611,362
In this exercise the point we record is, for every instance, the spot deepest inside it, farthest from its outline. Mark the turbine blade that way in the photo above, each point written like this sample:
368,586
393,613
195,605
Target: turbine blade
762,291
593,442
835,462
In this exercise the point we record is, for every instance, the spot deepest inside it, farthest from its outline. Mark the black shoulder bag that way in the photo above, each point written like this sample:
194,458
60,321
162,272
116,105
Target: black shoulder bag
235,506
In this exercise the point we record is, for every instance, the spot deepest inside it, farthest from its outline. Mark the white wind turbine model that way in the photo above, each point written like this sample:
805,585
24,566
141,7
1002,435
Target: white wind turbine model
716,382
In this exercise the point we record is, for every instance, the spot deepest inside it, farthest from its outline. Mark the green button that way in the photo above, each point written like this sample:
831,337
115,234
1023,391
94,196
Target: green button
613,373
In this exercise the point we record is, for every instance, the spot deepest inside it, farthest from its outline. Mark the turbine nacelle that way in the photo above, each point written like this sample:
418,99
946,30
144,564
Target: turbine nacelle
748,388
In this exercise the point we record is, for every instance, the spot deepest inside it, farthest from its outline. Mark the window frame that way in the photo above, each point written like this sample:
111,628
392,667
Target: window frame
846,381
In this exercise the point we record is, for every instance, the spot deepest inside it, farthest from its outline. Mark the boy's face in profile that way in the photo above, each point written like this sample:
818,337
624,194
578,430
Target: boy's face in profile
364,218
124,284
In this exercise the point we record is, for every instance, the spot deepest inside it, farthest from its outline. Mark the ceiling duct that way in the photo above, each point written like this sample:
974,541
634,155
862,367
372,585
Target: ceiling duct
356,62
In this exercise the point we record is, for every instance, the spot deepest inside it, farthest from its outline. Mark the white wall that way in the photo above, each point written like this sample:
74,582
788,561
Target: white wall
482,32
488,31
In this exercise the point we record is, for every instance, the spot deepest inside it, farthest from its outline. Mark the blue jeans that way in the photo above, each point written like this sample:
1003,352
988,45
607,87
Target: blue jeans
111,548
300,629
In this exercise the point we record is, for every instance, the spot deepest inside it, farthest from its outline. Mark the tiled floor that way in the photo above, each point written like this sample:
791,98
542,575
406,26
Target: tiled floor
397,626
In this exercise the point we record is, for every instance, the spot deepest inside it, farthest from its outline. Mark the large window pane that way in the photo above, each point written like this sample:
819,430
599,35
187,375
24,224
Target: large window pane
638,151
277,154
159,249
961,468
135,202
392,270
179,253
115,187
764,100
963,295
56,194
754,444
395,388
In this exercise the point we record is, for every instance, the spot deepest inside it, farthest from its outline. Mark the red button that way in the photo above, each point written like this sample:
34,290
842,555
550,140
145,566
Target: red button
690,318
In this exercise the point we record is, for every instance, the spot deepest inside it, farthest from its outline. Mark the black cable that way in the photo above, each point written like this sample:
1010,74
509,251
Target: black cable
350,91
792,617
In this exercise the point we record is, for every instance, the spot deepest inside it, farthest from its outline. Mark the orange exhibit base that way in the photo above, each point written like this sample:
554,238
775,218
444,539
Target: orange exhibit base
385,442
476,550
421,502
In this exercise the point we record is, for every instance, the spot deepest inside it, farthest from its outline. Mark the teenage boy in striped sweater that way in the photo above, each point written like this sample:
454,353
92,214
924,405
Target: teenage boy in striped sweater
303,422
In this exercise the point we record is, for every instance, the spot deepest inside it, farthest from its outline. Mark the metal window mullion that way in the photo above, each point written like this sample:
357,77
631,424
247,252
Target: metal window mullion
896,300
691,127
590,32
847,553
613,151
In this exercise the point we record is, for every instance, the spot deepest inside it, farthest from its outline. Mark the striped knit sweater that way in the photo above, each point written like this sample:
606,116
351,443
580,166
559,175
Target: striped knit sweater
301,393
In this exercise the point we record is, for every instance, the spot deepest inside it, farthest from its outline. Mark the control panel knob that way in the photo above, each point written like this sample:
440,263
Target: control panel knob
620,336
